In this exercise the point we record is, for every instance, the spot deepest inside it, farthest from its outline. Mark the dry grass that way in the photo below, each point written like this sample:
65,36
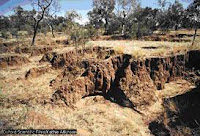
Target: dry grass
172,106
137,48
119,49
161,48
138,53
41,40
181,31
196,44
98,117
175,88
184,31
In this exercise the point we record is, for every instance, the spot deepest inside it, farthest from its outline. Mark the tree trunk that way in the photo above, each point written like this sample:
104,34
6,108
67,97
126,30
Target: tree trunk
176,27
34,35
123,29
37,22
123,23
52,30
195,33
138,32
106,26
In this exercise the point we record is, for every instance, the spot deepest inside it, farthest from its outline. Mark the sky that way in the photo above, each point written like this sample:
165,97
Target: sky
81,6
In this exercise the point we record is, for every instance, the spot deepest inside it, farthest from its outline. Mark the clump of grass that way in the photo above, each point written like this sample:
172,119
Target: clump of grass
172,106
179,49
138,53
196,45
43,41
119,49
185,131
159,52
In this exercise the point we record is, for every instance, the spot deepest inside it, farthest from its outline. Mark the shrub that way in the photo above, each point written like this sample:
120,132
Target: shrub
119,49
131,32
79,36
138,31
6,35
22,33
91,31
44,30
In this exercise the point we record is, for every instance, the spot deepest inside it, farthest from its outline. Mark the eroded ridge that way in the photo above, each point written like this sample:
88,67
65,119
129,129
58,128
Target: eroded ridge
127,81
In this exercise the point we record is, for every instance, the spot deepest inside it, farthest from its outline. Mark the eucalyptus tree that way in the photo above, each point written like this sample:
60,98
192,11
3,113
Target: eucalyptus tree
176,14
102,12
194,16
40,9
124,9
71,17
163,19
19,18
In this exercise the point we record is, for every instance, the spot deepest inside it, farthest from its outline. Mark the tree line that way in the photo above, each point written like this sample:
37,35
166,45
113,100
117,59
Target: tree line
123,17
127,17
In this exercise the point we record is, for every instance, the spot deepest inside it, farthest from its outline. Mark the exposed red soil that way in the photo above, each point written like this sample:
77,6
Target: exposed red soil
12,60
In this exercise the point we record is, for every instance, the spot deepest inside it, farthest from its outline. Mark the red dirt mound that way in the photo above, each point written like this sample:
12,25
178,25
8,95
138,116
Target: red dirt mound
14,60
35,72
33,51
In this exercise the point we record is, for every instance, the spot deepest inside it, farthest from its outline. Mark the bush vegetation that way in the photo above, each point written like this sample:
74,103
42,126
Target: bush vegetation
121,17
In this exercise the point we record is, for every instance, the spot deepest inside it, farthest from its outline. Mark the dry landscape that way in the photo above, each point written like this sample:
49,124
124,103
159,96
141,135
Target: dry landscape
100,67
107,87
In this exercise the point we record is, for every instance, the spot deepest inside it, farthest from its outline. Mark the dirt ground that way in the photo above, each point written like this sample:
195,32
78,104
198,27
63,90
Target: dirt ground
26,103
